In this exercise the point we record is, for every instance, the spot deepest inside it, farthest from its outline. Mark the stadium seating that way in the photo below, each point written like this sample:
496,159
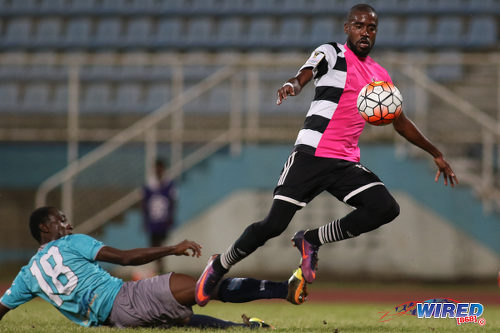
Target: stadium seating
97,98
38,29
229,32
18,33
169,33
128,98
448,32
9,97
138,32
416,33
108,33
77,33
36,98
156,95
483,31
199,24
291,33
388,31
59,103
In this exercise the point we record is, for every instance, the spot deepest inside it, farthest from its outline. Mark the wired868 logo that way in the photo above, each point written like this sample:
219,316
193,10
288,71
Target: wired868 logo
463,313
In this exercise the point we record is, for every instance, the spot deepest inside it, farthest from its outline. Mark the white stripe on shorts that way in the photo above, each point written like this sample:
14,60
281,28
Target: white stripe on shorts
286,168
361,189
295,202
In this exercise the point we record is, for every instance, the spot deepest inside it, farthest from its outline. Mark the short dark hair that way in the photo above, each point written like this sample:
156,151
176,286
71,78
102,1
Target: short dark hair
362,7
39,216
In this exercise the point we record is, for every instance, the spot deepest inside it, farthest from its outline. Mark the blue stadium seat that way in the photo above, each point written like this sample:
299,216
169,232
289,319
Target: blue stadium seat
291,32
156,96
294,6
9,97
144,6
4,6
200,32
265,6
43,67
97,98
18,33
229,32
175,7
23,7
128,98
447,72
448,32
483,7
48,33
54,6
12,69
386,7
112,6
83,7
318,6
450,7
388,32
324,30
60,101
233,7
133,73
203,6
108,33
219,99
482,32
159,73
416,32
169,32
78,32
138,32
420,6
100,72
36,98
260,32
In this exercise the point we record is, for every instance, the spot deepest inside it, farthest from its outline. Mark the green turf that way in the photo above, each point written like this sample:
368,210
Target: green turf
38,316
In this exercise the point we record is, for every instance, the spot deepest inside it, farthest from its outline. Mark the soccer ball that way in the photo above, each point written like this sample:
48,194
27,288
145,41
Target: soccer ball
379,103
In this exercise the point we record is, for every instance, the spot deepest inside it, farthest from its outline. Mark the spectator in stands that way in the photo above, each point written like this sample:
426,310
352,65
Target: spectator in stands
65,273
326,156
158,206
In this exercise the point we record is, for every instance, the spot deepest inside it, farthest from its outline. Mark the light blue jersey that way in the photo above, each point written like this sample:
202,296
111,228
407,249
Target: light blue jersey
64,272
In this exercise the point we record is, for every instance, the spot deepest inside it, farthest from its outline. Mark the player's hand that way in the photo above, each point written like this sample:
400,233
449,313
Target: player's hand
184,247
283,92
445,169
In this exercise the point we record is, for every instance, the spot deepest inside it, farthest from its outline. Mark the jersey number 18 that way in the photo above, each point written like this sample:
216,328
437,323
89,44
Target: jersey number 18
54,272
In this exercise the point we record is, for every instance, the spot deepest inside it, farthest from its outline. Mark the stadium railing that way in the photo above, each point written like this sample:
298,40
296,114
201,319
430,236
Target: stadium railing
237,97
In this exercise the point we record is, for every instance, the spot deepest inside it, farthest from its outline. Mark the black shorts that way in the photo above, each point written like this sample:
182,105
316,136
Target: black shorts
304,176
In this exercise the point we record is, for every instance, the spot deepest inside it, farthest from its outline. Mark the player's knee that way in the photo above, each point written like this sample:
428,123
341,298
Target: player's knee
388,211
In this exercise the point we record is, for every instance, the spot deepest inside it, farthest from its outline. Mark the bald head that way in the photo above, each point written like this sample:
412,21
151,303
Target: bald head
362,7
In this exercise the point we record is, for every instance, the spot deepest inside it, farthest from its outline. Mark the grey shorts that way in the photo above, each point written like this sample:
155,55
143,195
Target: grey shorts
147,303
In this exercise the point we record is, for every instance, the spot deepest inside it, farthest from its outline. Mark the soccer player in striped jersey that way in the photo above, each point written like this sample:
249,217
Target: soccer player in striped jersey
65,273
326,155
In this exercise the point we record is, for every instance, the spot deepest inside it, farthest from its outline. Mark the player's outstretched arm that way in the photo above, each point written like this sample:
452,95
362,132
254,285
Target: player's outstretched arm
406,128
294,85
3,310
142,256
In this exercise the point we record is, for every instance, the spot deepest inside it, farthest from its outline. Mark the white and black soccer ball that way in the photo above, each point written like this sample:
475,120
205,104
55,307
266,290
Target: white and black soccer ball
379,103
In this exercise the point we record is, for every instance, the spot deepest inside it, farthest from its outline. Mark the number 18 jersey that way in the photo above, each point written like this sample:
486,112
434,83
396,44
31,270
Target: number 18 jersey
64,273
